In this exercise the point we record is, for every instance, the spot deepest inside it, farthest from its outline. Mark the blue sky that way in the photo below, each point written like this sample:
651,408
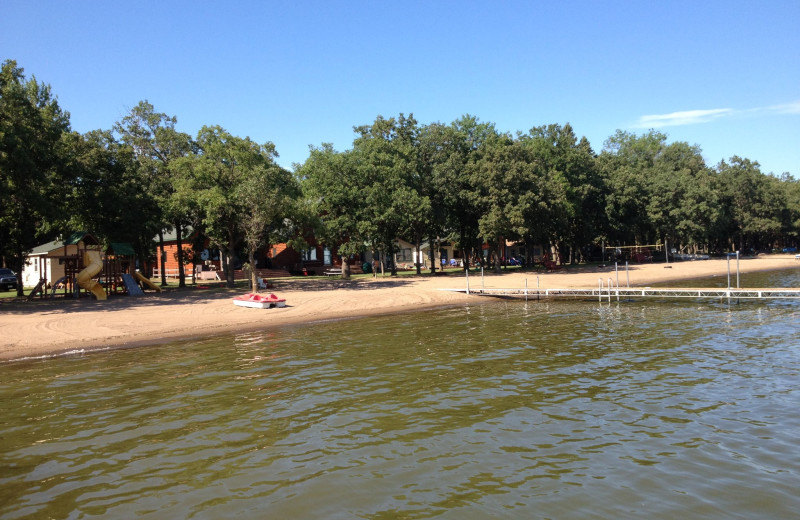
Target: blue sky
721,74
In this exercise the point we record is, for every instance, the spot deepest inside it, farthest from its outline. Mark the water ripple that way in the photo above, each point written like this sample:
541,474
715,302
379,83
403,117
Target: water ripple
511,409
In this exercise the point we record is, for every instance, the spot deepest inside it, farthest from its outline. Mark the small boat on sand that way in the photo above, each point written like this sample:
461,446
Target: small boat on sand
259,301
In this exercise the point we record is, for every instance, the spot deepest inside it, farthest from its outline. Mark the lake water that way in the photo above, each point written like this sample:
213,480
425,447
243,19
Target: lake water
569,409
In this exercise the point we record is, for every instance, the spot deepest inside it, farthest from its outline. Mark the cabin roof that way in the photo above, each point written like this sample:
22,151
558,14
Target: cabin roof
122,248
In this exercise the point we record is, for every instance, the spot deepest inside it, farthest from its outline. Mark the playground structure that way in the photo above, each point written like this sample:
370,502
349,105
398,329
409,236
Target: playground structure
85,278
89,270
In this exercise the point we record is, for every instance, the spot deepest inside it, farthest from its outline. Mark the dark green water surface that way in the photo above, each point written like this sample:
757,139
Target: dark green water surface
507,409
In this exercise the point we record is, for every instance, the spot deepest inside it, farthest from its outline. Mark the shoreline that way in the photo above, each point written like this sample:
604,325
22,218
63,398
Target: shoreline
50,329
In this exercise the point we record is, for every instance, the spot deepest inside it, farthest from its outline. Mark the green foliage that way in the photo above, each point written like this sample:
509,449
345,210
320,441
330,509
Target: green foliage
454,151
108,195
156,145
682,204
577,195
659,191
753,203
31,174
241,195
333,190
464,182
392,182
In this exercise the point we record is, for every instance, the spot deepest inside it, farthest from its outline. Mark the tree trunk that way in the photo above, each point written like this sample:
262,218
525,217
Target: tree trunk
223,260
17,265
226,257
140,259
251,258
345,267
230,280
163,259
135,261
437,245
497,258
467,250
418,257
229,274
181,271
431,255
529,249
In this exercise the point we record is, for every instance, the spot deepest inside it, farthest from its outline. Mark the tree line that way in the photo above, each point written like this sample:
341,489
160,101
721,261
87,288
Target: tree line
465,182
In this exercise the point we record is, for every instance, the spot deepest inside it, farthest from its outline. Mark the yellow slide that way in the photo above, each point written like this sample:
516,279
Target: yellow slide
94,264
145,280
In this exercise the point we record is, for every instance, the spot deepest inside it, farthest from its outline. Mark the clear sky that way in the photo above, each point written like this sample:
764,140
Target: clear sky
724,75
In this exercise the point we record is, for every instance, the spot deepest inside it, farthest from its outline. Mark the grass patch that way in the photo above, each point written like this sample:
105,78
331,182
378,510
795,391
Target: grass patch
11,293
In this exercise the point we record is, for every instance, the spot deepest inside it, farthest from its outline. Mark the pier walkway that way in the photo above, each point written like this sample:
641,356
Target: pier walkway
609,292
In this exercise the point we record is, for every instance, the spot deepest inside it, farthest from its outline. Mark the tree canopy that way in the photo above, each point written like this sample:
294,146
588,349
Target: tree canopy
465,182
241,195
32,129
156,145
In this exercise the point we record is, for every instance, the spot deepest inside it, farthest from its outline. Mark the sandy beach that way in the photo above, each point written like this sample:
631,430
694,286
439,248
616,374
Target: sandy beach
53,327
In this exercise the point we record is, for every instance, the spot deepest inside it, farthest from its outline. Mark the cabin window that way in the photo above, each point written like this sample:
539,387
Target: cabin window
326,256
310,255
404,255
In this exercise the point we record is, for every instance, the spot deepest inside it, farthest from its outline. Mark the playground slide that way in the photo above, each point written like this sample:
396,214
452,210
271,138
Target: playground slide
94,264
146,281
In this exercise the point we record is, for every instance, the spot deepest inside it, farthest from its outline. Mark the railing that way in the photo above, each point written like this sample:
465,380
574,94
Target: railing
169,273
219,275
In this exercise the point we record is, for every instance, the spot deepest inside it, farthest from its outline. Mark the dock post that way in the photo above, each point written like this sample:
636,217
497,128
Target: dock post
537,288
737,274
467,271
728,257
737,269
627,275
526,290
611,284
600,290
616,270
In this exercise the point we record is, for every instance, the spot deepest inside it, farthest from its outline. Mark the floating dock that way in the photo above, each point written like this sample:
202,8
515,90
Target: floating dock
608,293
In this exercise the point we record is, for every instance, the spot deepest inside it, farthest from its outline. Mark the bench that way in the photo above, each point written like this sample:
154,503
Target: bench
332,272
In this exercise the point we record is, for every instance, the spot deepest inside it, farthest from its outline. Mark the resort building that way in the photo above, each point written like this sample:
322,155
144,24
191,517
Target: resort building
47,260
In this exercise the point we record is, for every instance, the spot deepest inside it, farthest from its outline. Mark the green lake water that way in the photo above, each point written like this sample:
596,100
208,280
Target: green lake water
505,409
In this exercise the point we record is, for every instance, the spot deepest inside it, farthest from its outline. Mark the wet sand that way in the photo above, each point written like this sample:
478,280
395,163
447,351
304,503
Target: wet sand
56,326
